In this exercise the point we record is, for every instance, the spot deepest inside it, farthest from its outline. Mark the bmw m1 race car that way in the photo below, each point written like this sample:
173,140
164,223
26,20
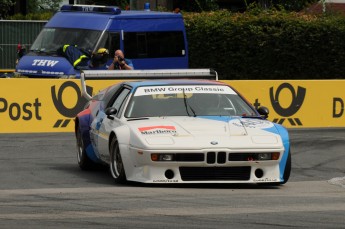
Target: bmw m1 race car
171,127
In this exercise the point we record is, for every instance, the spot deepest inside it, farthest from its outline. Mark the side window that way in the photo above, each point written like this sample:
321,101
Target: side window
154,44
109,94
110,41
119,101
114,43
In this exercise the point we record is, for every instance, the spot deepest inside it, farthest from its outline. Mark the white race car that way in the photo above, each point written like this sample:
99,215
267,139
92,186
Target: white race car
179,131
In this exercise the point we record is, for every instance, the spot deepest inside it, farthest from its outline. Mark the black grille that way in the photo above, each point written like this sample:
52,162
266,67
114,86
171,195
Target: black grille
221,157
238,156
240,173
211,157
190,157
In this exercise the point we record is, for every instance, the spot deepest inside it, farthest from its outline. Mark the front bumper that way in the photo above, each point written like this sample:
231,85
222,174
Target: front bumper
202,169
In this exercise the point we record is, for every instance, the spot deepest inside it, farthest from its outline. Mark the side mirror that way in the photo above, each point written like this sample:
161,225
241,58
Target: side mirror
110,111
263,111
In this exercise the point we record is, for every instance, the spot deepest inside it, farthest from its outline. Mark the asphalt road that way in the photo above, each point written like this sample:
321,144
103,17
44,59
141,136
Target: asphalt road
41,186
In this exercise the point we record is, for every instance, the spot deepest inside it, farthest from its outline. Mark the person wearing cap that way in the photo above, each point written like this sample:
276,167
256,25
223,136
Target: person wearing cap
99,59
81,59
120,62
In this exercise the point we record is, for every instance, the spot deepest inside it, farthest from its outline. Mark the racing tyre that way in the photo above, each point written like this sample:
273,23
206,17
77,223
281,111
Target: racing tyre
116,165
84,161
287,170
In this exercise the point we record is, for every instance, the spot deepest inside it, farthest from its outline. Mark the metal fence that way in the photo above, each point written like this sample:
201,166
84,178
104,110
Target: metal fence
13,32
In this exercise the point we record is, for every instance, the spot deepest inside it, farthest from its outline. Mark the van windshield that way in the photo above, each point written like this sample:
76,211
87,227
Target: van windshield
50,39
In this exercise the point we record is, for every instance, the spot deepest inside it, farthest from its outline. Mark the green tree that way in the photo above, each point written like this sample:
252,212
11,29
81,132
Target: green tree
5,6
190,5
120,3
289,5
197,5
37,6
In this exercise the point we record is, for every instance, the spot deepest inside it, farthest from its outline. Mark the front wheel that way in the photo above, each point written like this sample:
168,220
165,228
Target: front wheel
116,164
287,170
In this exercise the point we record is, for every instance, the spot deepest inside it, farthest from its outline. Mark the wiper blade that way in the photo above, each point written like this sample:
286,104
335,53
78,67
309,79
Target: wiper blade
136,119
40,52
187,105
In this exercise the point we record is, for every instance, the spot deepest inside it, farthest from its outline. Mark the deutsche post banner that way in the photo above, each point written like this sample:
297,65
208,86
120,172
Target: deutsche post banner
50,105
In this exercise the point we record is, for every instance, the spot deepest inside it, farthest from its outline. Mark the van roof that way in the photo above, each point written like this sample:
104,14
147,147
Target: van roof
115,11
98,20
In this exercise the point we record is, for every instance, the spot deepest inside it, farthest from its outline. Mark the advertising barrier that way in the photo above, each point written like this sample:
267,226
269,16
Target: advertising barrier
50,105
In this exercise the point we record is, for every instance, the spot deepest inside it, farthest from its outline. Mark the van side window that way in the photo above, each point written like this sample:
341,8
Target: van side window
110,41
114,43
154,44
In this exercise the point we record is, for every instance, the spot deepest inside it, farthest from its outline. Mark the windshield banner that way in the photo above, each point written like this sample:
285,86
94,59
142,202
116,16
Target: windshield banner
183,89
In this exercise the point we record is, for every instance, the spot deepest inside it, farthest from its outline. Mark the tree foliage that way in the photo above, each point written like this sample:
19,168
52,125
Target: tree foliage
37,6
5,6
289,5
191,5
272,44
200,5
120,3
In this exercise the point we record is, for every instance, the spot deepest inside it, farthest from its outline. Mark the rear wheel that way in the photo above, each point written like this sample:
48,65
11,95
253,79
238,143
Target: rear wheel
84,161
116,165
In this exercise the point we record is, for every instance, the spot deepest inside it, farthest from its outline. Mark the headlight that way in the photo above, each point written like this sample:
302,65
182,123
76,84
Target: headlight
264,156
268,156
162,157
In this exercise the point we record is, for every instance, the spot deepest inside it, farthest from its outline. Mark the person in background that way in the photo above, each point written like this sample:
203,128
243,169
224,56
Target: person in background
83,60
21,51
99,59
177,10
120,62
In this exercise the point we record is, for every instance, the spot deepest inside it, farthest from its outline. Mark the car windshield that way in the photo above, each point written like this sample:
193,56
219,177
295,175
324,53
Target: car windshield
187,100
50,39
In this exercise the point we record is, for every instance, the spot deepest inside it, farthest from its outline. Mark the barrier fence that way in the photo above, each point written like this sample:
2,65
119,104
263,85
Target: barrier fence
13,32
50,105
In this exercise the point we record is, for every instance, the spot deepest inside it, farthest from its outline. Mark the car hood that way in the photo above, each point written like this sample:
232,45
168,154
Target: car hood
204,132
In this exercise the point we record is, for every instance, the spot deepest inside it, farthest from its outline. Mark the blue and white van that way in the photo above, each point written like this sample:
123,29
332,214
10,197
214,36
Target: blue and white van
151,39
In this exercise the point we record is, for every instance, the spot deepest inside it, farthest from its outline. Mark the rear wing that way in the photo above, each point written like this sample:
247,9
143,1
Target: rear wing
144,74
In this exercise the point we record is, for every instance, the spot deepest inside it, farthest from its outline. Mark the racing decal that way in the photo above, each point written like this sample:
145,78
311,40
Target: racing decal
251,123
212,89
266,180
157,130
296,104
165,181
62,108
